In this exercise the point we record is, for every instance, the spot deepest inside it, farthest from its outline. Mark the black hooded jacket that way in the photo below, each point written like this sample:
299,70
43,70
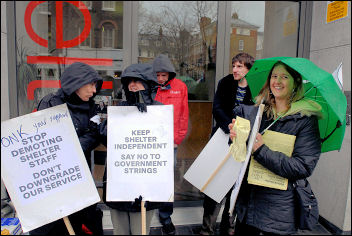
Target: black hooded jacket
74,77
143,73
269,209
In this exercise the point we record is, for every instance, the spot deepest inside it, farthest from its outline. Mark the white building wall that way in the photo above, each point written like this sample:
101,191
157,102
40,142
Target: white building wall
331,180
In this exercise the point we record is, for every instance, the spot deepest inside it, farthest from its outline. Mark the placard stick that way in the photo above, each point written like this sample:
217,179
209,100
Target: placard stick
238,183
216,171
143,216
69,226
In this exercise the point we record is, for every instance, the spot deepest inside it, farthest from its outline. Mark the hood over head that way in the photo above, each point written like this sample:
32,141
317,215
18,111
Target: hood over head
77,75
163,64
143,73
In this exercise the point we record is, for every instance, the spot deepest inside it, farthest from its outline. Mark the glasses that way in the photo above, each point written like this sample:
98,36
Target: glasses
284,77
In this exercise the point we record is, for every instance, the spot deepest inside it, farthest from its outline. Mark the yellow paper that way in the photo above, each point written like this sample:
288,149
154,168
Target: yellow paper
238,148
258,174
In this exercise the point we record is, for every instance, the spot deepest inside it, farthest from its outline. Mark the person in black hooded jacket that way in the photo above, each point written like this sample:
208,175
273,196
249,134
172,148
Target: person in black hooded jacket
137,83
79,85
232,91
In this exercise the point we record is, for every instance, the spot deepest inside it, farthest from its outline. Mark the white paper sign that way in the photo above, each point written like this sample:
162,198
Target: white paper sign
208,161
140,153
44,168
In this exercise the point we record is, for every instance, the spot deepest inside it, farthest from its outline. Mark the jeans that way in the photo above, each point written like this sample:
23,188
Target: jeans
166,211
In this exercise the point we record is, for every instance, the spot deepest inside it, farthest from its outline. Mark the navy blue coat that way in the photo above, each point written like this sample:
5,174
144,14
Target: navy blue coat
73,78
273,210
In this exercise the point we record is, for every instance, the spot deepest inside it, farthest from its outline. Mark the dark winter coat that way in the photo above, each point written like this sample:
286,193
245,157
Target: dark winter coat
224,102
74,77
144,73
269,209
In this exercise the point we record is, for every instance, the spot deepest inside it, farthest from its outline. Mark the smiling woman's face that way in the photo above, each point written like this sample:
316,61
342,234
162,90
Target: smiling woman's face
281,83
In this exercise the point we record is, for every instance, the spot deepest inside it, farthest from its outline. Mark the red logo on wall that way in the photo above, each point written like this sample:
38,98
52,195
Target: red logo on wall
60,44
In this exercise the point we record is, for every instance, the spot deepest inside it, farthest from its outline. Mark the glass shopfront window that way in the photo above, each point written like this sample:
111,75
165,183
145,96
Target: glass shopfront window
52,35
186,32
248,20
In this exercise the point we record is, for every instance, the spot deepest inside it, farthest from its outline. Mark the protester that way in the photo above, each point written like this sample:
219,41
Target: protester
232,90
79,85
171,91
262,210
137,82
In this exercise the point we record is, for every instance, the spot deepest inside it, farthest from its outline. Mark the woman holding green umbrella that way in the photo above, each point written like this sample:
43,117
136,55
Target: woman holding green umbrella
263,210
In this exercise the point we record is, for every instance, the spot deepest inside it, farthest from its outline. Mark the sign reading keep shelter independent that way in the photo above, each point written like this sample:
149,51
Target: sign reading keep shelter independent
44,168
140,153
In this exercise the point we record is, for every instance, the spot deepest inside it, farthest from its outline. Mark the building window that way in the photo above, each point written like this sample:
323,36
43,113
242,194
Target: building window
108,36
87,41
108,6
44,8
88,4
145,42
240,45
144,53
242,31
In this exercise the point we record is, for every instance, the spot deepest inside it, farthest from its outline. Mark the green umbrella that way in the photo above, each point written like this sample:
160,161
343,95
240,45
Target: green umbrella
319,86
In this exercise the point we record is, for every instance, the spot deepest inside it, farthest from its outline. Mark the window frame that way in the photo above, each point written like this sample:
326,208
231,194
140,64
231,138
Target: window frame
104,8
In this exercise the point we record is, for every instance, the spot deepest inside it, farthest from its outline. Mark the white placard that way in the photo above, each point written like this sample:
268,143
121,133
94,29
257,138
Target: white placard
140,153
206,164
44,168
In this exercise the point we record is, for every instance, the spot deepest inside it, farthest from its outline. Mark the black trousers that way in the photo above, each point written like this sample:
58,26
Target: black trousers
211,212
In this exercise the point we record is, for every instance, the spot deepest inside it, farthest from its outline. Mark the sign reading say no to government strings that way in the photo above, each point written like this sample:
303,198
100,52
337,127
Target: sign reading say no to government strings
140,155
44,168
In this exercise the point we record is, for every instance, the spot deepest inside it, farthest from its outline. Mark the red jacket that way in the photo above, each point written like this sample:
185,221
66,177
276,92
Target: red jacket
177,95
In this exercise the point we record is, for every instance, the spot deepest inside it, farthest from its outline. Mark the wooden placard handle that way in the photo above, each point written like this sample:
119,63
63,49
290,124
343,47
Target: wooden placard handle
216,171
143,218
68,226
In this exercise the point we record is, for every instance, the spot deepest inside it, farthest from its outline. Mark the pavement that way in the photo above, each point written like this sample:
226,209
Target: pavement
188,220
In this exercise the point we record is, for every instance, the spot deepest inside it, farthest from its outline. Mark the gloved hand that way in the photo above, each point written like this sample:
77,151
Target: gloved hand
137,202
142,107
